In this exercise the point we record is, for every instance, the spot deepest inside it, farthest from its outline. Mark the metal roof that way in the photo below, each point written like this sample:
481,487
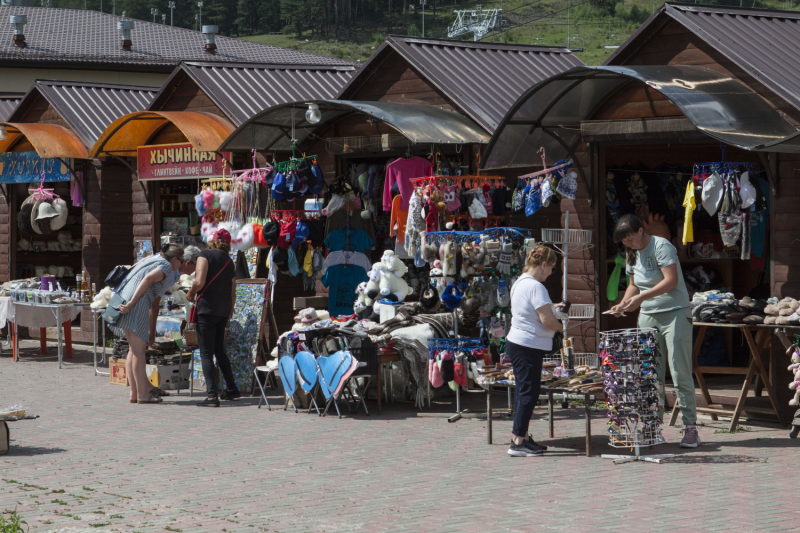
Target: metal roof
243,90
764,43
550,114
483,79
420,123
88,108
70,36
8,104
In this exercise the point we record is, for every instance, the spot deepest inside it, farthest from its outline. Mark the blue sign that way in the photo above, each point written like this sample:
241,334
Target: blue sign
27,167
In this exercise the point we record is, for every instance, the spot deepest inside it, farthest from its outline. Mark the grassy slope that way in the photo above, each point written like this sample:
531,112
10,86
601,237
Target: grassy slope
592,27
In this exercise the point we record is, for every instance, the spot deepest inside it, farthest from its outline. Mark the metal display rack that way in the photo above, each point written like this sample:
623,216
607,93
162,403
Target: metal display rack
569,242
633,391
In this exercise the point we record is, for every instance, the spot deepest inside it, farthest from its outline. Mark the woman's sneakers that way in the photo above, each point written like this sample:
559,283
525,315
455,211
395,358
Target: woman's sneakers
528,448
691,439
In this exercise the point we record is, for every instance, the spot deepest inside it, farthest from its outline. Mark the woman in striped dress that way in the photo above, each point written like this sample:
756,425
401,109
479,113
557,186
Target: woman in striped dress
140,288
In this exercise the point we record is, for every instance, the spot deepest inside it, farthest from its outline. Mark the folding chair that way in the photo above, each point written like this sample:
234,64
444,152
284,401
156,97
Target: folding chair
354,402
287,369
308,375
269,371
333,370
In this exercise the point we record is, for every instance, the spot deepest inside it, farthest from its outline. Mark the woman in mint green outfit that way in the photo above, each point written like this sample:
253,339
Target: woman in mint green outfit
656,286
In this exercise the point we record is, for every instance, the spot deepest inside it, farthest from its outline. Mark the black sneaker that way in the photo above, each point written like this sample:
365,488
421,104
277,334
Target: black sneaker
530,443
230,394
521,450
209,402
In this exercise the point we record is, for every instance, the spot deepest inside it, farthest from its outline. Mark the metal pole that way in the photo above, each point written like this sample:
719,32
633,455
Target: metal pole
422,3
566,254
200,22
569,8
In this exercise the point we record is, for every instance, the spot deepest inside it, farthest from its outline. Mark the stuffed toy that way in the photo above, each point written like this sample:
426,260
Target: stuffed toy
200,205
437,197
795,386
479,259
393,264
361,297
468,254
393,288
208,199
448,257
430,253
373,286
471,300
430,299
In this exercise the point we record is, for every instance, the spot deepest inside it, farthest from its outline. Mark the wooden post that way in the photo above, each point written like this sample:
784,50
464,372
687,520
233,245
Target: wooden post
43,340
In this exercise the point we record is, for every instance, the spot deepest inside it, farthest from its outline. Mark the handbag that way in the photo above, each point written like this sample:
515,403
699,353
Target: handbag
112,314
193,310
117,276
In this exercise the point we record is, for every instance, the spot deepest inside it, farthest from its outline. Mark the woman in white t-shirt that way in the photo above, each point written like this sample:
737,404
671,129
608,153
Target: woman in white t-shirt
530,338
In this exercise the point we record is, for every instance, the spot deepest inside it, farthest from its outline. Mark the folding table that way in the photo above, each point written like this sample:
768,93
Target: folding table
57,310
754,369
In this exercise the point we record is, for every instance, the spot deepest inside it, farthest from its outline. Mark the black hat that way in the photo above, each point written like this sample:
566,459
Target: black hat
281,259
304,171
271,232
316,231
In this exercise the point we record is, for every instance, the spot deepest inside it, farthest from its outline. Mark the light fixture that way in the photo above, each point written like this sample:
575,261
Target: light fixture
313,115
3,133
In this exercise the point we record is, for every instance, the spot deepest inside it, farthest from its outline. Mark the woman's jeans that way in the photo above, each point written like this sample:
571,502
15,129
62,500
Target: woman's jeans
211,337
527,365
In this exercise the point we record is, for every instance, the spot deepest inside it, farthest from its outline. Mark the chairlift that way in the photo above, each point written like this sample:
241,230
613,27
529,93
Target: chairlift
612,41
576,43
538,41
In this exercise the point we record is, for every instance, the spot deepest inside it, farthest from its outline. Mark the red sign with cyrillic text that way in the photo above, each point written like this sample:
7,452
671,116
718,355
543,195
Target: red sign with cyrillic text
180,161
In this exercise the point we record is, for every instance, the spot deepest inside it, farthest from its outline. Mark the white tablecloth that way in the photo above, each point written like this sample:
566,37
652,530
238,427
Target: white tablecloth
27,316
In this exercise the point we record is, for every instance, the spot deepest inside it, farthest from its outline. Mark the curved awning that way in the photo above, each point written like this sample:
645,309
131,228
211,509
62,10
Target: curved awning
550,113
49,140
421,124
123,136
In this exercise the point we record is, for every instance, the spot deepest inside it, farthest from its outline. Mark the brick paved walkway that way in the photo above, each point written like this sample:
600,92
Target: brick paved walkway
94,462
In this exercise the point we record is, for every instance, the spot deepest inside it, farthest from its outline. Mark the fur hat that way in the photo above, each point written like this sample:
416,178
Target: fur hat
24,217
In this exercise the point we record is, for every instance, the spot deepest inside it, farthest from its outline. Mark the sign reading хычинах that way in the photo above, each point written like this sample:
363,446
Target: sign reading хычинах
27,167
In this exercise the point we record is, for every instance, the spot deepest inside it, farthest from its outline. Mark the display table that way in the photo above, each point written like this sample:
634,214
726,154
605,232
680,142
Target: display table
549,391
754,369
29,316
42,315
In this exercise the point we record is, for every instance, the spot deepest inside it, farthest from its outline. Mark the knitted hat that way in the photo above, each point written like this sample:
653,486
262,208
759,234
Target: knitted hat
222,235
34,214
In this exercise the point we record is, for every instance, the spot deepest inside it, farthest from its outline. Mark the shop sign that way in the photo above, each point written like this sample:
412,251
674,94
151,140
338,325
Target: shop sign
180,161
27,167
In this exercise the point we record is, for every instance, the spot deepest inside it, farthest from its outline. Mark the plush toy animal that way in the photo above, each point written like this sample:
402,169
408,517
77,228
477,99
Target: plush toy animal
795,386
373,286
448,256
393,288
393,264
430,253
361,296
247,237
468,254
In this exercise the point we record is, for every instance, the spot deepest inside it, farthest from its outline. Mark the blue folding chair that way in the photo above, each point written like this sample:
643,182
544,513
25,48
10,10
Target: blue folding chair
308,376
287,369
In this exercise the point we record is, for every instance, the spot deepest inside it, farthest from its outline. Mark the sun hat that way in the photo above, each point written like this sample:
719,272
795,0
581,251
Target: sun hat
62,212
34,214
46,212
713,190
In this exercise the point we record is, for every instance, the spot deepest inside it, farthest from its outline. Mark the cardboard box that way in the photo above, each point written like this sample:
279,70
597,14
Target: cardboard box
119,375
167,376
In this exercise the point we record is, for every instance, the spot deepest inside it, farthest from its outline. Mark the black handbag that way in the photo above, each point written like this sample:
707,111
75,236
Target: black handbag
117,276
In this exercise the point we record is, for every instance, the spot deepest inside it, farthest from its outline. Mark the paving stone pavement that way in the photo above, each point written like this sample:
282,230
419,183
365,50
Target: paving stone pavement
94,462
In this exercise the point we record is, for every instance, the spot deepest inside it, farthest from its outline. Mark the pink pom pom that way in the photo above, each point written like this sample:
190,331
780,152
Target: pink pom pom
208,198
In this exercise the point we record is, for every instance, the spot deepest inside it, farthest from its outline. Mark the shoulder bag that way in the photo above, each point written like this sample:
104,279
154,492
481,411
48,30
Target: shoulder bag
112,314
193,310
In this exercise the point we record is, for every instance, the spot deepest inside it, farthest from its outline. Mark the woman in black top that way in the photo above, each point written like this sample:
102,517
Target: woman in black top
214,284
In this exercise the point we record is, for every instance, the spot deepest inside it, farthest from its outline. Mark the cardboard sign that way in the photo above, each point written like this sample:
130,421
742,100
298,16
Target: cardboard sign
27,167
180,161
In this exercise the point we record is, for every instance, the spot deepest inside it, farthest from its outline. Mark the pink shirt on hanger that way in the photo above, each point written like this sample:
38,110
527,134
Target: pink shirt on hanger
401,171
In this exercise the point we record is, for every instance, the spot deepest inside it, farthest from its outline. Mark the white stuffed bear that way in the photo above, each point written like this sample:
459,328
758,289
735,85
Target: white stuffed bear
393,264
372,289
394,286
361,296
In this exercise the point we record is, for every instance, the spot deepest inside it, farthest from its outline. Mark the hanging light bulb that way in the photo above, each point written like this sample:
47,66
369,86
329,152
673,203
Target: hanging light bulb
3,133
313,115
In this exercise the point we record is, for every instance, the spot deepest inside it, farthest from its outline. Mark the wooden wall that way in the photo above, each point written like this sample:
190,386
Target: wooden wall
6,229
186,95
394,80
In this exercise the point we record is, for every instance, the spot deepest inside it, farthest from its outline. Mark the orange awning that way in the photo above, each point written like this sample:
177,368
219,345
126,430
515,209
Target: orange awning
123,136
49,140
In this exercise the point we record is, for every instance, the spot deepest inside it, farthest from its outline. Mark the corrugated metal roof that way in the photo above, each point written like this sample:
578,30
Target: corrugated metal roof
88,108
7,106
81,36
764,43
482,79
241,91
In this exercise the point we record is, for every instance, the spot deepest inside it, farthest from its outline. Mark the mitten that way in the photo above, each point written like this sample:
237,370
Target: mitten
504,263
503,297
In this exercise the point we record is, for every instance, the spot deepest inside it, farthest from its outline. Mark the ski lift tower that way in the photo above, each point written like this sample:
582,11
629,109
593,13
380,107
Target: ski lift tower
476,21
